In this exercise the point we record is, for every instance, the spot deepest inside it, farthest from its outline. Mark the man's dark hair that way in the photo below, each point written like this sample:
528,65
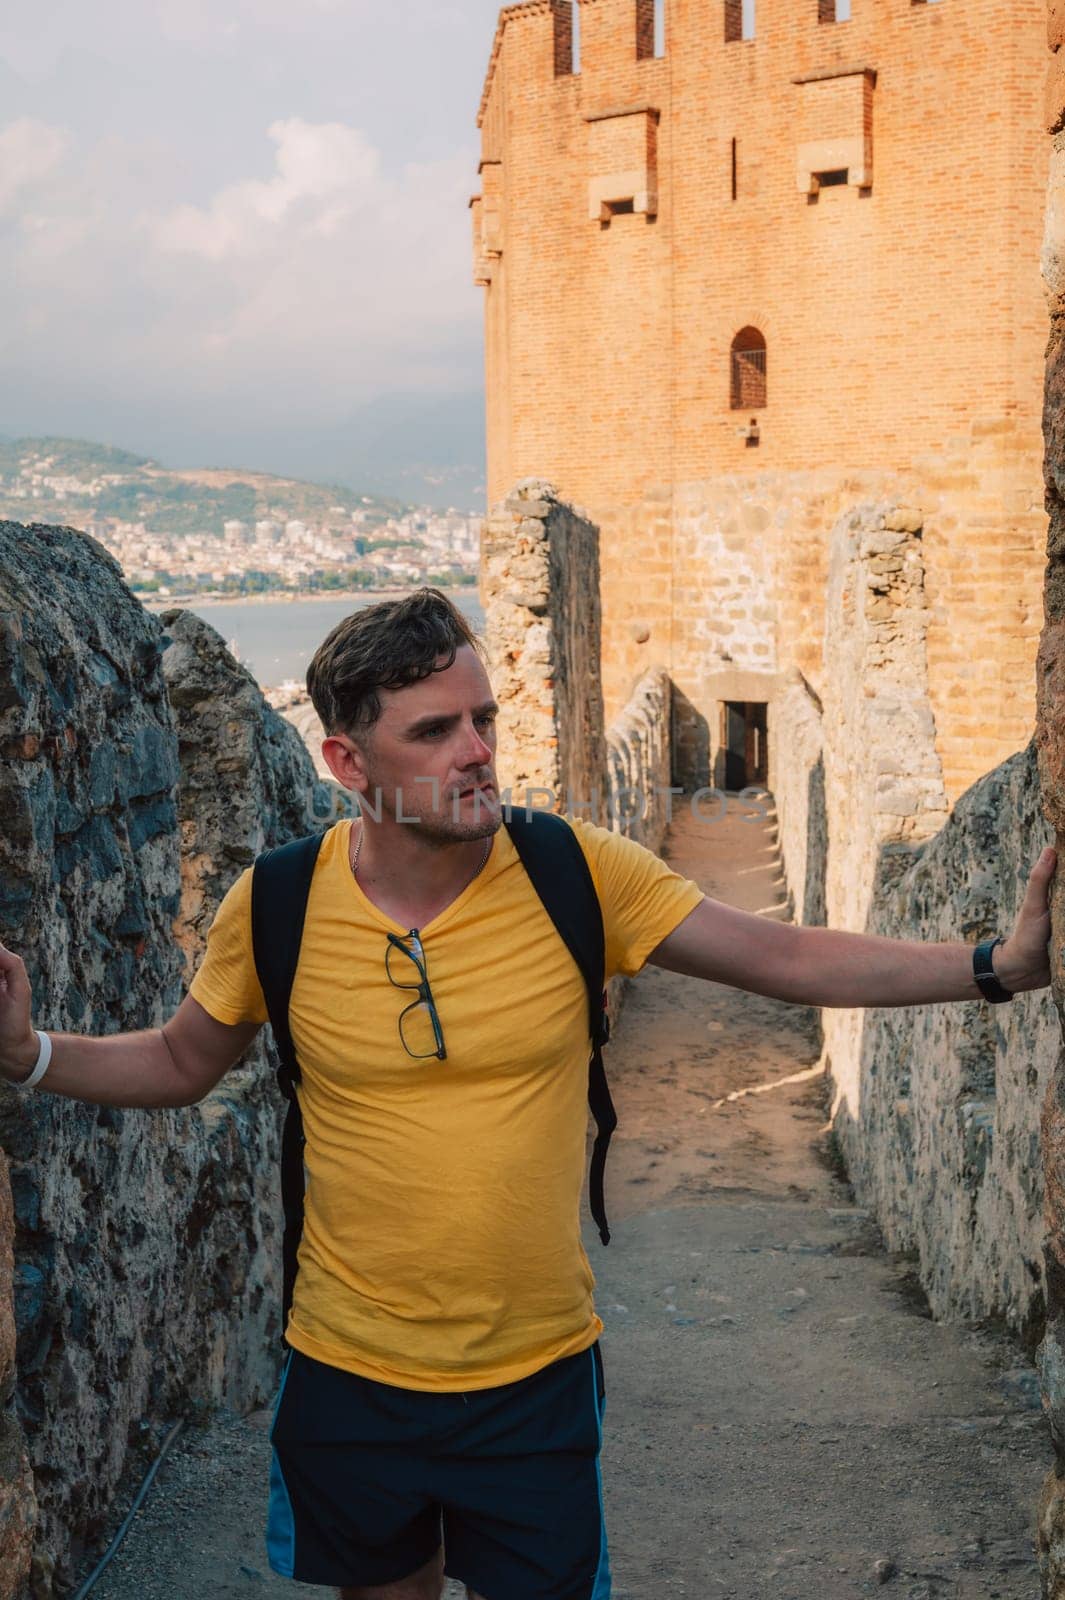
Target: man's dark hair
386,646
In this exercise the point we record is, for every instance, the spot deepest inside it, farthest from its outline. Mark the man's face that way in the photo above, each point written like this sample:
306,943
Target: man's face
431,754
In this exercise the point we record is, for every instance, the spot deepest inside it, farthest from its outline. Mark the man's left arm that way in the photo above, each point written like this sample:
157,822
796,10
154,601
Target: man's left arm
823,967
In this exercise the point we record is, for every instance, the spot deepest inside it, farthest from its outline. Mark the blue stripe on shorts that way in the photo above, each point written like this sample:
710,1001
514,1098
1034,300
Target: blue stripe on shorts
601,1589
281,1524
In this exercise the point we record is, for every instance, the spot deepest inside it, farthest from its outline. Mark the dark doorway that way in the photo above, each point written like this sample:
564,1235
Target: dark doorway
744,753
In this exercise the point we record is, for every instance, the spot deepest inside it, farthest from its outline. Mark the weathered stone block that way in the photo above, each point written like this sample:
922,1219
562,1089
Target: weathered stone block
904,519
528,508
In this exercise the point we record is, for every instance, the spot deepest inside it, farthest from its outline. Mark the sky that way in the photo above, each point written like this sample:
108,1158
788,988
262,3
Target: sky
235,232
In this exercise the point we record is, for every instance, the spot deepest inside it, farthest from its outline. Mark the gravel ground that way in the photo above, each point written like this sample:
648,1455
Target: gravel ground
784,1420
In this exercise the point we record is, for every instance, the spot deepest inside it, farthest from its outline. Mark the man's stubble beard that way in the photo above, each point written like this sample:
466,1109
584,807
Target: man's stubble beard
441,827
451,832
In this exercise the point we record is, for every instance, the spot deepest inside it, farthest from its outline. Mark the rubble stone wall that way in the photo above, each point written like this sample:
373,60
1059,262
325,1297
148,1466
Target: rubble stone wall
145,1244
540,589
638,762
944,1142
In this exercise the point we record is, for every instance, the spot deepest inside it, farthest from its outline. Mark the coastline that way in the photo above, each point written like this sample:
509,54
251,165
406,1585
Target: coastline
274,638
193,602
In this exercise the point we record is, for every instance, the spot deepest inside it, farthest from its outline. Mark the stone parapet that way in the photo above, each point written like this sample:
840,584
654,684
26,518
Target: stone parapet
942,1137
146,1276
797,782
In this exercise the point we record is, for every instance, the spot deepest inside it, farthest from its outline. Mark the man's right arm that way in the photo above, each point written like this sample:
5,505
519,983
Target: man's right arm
177,1065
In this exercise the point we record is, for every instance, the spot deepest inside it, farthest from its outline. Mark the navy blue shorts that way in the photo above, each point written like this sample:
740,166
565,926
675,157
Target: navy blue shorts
367,1480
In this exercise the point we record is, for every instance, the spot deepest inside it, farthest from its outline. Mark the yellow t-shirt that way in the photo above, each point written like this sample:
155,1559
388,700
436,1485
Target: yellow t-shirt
441,1246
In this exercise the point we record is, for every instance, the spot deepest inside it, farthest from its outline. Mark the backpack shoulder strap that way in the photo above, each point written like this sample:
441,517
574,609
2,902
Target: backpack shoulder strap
555,863
281,885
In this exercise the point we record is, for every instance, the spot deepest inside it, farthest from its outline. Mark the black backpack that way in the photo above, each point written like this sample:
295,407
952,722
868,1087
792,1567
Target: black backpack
555,863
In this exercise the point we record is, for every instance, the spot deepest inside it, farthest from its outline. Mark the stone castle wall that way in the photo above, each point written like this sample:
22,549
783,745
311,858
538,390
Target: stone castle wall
637,215
936,1108
1050,741
540,590
145,1244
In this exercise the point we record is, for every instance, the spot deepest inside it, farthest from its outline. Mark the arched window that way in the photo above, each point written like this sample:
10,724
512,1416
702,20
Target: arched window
748,378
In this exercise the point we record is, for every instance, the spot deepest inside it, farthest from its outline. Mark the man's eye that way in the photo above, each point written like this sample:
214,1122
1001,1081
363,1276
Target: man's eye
488,718
429,733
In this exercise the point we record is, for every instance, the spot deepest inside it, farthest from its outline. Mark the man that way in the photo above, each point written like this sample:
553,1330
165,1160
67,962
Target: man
442,1400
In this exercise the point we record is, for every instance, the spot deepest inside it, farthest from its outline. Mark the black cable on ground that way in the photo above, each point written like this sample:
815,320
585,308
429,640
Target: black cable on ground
116,1543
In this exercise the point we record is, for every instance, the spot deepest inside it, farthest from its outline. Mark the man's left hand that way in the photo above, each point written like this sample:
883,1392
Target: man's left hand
1023,962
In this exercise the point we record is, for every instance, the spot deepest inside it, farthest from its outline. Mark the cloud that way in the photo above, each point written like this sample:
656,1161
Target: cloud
30,151
329,166
303,292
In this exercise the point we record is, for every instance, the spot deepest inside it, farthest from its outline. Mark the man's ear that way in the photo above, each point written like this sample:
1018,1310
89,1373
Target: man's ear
346,761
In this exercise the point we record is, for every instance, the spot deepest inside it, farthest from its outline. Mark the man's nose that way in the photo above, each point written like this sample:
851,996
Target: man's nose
475,752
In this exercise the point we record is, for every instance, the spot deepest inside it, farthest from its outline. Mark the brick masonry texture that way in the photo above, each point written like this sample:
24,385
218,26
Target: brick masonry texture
904,321
145,1245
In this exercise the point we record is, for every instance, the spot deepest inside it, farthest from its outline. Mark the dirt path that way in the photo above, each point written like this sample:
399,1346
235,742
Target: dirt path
783,1421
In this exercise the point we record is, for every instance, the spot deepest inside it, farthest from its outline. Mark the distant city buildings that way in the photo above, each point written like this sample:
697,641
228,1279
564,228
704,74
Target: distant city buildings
340,548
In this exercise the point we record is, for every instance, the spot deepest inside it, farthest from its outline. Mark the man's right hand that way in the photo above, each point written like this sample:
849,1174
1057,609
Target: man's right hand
177,1065
19,1045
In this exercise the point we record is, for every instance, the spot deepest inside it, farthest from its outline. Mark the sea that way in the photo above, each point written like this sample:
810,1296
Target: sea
275,639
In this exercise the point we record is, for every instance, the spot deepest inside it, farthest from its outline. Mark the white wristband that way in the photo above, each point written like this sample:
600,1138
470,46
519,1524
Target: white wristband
44,1061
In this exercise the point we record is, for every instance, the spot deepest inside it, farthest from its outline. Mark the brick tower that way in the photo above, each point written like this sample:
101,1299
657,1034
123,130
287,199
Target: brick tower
748,263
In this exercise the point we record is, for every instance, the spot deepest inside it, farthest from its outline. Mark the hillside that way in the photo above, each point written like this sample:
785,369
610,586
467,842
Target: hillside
76,481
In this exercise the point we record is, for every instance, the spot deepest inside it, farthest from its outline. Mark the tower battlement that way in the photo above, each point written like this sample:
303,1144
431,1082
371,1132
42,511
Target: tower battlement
863,190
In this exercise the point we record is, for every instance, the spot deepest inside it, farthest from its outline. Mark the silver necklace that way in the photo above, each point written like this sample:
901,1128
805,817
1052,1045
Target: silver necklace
362,835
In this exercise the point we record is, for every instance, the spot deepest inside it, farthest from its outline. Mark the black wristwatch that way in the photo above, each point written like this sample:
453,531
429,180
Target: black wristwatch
984,973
